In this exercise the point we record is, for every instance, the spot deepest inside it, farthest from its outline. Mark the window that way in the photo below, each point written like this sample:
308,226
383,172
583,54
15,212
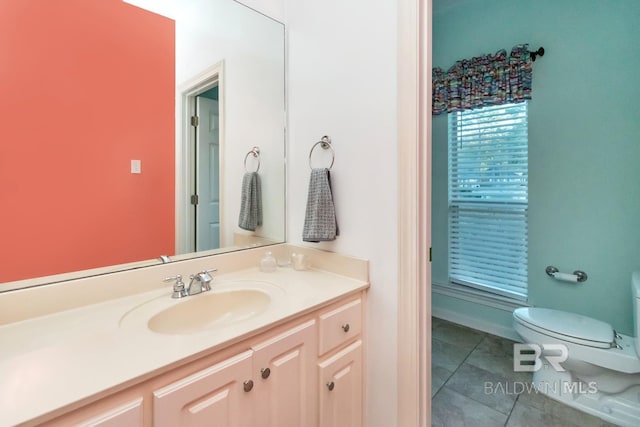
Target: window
488,199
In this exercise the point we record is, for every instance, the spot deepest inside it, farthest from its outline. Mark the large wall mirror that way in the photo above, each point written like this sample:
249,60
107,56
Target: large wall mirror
134,129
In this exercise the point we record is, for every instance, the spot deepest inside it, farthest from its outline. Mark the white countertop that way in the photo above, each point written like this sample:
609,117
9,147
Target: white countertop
52,361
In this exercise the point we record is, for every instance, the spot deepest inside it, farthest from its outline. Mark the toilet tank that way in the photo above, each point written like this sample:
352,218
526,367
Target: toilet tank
635,292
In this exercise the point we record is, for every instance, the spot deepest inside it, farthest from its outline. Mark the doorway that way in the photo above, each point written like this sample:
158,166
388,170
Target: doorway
203,143
206,203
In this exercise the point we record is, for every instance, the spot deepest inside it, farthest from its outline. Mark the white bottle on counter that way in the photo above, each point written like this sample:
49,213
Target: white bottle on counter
268,263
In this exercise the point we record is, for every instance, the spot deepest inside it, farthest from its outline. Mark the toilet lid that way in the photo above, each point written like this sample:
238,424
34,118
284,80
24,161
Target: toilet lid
567,326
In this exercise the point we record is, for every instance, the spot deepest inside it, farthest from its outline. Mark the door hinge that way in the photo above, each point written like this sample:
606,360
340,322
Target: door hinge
194,199
430,253
195,121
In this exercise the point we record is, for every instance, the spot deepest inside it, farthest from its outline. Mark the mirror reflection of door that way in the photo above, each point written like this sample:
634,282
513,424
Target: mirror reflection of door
207,171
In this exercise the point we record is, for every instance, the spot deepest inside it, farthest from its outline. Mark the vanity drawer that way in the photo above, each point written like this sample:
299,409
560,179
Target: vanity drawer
339,325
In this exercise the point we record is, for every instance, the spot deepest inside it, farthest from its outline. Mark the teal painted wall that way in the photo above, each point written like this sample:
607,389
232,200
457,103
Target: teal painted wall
584,142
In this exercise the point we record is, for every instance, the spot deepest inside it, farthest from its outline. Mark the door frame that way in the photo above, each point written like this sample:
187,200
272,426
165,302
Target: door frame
186,153
414,212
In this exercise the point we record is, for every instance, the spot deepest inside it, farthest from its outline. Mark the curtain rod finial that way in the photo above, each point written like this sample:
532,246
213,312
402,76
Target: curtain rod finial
539,52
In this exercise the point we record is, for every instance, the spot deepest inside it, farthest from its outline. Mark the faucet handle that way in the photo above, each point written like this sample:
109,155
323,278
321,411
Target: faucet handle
205,279
205,276
178,287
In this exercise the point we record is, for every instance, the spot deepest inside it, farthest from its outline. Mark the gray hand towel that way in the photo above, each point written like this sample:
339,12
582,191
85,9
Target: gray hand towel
251,202
320,219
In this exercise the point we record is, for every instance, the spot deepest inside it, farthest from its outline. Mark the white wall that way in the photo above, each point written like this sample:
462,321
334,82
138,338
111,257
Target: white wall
342,83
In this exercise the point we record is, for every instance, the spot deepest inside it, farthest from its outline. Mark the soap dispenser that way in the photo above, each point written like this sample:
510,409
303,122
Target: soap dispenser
268,263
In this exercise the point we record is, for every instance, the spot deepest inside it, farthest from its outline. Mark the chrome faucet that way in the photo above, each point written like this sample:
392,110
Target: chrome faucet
203,284
203,280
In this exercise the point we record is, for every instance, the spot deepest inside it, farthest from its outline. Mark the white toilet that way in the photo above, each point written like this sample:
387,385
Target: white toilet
602,370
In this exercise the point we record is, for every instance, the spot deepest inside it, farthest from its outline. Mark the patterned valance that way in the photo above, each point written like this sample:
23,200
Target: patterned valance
483,80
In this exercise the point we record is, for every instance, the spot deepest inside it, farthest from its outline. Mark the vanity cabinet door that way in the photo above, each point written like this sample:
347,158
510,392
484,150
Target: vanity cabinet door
284,368
129,414
103,414
220,395
341,388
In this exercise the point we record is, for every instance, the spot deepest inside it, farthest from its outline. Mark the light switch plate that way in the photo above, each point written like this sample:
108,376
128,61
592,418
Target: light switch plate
136,166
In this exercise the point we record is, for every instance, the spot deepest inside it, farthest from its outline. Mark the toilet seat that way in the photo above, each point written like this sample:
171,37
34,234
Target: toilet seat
565,326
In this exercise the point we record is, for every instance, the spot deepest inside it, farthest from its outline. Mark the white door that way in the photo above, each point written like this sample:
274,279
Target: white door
207,174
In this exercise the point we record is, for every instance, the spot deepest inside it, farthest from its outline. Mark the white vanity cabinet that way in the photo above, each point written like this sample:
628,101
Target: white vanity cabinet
265,386
305,372
324,353
340,365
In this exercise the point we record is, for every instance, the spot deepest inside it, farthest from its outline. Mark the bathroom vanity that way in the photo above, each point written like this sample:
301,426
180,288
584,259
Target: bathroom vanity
278,349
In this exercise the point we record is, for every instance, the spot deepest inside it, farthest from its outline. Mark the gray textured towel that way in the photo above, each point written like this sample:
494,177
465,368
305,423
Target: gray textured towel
320,219
251,202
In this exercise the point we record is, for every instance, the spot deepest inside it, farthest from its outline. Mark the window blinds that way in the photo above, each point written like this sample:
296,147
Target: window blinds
488,198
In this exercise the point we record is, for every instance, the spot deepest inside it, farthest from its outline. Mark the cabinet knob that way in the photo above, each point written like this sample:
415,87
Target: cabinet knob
265,372
248,385
345,327
331,386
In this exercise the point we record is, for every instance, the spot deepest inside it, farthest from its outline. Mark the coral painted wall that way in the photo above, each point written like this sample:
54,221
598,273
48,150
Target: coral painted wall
85,87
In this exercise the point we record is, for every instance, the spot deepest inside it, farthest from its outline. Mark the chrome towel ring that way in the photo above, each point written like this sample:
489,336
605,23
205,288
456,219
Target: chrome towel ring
325,143
255,152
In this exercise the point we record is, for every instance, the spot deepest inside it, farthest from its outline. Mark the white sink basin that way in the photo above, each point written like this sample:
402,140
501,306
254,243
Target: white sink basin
207,310
227,304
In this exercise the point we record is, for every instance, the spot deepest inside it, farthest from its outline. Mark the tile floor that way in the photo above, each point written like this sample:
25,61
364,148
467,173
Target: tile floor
473,384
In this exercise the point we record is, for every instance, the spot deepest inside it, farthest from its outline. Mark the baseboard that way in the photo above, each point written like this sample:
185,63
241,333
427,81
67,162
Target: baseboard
475,323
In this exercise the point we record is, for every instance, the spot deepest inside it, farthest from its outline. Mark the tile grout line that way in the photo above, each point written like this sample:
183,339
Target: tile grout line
484,336
448,378
506,423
